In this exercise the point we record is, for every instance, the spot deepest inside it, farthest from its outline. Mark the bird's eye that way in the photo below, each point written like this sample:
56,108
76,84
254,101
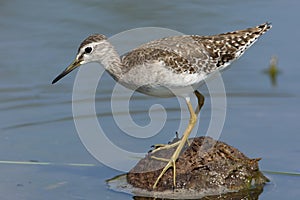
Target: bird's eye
88,50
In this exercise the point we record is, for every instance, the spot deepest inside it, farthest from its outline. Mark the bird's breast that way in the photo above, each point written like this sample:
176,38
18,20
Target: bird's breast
156,79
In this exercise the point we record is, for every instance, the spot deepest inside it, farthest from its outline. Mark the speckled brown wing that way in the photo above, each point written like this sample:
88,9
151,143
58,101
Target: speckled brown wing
178,53
196,54
226,47
171,59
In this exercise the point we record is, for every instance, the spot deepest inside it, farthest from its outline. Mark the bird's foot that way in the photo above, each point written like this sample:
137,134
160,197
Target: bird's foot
170,163
171,144
159,147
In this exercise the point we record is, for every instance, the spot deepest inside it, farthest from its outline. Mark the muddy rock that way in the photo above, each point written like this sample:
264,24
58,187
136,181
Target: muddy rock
204,165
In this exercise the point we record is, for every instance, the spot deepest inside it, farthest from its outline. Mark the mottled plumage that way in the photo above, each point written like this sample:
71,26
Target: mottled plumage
195,54
179,63
90,39
169,66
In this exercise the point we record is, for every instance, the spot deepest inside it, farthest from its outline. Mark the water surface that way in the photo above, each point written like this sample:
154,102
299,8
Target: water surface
40,38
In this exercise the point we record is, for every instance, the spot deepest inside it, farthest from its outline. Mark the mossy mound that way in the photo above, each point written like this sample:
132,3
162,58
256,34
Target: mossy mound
205,166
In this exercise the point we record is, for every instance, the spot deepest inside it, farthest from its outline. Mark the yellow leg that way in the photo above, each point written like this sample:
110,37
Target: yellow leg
200,98
181,143
159,147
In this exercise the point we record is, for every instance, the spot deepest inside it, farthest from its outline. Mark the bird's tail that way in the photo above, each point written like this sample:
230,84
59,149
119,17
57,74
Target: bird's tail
227,47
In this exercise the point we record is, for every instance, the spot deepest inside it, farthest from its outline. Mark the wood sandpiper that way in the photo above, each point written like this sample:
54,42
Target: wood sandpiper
167,67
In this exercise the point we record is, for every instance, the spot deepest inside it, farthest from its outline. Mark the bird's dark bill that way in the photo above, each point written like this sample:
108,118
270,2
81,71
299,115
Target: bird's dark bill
70,68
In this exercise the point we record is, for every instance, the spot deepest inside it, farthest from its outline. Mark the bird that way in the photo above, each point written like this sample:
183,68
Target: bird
169,67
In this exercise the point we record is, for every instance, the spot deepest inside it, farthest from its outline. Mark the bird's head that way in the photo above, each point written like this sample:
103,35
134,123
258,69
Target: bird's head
92,49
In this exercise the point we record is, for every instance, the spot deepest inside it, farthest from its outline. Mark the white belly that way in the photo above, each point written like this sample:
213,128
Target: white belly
157,80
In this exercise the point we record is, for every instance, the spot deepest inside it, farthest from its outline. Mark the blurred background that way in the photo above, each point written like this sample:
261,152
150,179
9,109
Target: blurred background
38,39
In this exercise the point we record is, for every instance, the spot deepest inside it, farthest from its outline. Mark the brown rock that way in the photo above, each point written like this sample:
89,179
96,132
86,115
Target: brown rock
204,165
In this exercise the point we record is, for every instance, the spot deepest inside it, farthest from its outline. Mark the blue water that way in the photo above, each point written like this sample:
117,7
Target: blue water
38,39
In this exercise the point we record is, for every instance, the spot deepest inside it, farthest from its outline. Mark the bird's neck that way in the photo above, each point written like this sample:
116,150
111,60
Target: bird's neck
112,62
